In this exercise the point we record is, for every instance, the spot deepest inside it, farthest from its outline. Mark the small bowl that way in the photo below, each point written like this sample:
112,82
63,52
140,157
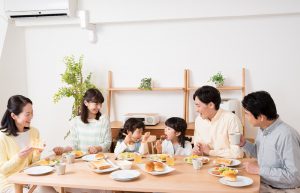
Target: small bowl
124,164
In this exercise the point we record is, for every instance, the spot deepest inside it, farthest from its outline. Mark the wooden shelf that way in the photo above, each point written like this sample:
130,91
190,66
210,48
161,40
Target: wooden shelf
186,89
161,125
167,89
241,88
222,88
156,130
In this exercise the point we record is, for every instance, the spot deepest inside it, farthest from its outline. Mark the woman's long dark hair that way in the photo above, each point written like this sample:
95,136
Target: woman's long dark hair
15,105
130,125
179,125
91,95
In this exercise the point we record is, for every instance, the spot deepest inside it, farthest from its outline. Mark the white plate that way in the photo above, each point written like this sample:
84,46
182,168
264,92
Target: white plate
38,170
167,170
125,175
120,156
211,169
92,157
234,162
240,181
113,168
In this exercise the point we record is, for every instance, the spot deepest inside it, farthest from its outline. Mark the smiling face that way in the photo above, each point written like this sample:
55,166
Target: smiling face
206,111
137,134
93,107
171,134
23,119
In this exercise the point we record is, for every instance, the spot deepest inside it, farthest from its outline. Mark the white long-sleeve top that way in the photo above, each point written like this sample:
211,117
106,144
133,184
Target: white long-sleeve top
169,148
139,147
216,132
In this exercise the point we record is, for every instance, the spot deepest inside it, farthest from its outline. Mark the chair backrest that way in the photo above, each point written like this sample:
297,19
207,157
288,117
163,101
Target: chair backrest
151,144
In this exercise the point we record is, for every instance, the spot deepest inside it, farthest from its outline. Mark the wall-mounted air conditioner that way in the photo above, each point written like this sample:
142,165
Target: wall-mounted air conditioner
37,8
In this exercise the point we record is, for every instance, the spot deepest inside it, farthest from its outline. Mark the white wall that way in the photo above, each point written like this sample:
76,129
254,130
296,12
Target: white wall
3,24
157,46
13,71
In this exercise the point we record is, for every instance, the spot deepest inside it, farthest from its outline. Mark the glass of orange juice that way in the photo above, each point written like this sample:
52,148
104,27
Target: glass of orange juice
170,160
137,158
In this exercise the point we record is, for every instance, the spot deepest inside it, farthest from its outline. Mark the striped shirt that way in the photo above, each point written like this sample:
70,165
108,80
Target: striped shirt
94,133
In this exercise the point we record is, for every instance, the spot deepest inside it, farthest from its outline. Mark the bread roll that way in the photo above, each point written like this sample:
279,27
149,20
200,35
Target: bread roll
229,175
149,166
99,156
159,167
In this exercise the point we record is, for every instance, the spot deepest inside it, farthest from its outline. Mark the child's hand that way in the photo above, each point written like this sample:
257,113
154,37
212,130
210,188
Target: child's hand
146,137
158,146
128,139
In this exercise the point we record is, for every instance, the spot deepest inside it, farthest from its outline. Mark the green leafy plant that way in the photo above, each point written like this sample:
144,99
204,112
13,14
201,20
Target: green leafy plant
76,84
145,84
218,79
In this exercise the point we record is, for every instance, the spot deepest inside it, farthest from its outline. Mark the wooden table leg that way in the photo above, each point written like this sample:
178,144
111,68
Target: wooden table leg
18,188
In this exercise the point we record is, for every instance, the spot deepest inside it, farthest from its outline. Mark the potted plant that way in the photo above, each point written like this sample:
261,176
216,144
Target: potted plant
76,84
146,84
218,79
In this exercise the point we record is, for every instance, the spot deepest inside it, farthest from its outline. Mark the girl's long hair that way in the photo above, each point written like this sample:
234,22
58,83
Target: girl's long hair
179,125
91,95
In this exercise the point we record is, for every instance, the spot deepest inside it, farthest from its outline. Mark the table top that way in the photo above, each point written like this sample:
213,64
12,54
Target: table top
183,179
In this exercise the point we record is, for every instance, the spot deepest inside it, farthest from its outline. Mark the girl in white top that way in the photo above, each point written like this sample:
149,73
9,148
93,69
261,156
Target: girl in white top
130,138
176,143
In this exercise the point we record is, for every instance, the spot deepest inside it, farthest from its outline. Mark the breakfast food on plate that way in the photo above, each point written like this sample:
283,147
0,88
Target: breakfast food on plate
158,157
154,166
223,161
229,175
78,153
126,155
99,156
149,166
190,158
163,157
45,162
221,170
100,165
158,166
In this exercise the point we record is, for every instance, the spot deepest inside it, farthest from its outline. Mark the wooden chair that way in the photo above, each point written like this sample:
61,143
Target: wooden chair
32,188
151,144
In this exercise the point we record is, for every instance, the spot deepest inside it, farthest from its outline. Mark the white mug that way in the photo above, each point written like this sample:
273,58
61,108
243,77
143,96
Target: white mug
234,138
70,158
197,163
60,168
